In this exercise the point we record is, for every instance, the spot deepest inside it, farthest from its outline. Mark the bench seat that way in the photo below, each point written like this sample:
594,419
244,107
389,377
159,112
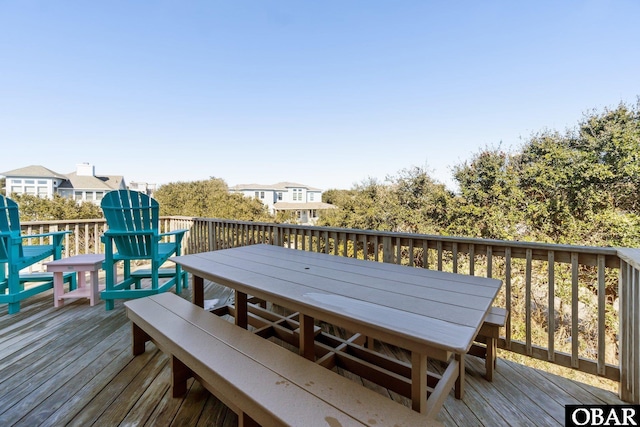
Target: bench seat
265,384
488,336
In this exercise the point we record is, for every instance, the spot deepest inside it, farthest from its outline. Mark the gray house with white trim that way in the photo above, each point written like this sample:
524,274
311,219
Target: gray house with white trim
302,199
81,185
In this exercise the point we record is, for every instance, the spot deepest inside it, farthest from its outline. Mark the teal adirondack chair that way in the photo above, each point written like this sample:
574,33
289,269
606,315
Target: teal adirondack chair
14,257
133,234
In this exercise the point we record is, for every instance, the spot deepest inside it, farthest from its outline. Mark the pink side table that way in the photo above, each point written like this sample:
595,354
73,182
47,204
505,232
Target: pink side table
81,264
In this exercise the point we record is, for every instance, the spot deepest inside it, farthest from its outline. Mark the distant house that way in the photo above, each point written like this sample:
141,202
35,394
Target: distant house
304,201
143,187
81,185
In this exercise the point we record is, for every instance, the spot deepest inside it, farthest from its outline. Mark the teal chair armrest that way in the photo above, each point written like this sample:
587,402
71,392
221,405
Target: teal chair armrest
110,233
174,232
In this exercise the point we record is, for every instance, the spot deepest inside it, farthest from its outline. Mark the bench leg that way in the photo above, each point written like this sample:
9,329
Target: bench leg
180,373
490,361
459,393
139,339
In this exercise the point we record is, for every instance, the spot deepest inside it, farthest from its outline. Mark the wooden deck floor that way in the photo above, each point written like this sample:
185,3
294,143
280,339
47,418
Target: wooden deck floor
73,366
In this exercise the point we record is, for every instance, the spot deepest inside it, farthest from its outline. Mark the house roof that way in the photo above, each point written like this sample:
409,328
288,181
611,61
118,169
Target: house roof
287,206
33,171
109,182
70,180
277,186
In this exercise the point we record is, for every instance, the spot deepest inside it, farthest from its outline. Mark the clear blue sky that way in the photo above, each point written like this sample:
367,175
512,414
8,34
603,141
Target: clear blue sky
326,93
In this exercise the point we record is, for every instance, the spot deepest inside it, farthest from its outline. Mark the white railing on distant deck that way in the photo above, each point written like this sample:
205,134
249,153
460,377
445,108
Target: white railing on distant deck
560,296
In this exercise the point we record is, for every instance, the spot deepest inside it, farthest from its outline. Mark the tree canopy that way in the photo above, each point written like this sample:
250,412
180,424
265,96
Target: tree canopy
33,208
579,187
209,199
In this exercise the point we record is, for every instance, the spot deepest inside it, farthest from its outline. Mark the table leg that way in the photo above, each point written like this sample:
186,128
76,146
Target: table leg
198,291
307,337
94,296
58,289
460,381
241,309
419,382
82,278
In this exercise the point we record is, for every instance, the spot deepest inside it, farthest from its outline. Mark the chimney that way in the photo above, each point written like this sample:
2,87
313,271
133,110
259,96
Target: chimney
85,169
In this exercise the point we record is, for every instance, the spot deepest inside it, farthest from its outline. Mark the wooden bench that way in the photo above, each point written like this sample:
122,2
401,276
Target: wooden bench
265,384
488,335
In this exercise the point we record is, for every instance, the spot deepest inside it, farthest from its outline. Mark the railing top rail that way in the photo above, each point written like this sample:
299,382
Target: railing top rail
631,256
596,250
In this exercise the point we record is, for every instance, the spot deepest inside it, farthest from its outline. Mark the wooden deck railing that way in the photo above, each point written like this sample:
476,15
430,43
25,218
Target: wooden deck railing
574,306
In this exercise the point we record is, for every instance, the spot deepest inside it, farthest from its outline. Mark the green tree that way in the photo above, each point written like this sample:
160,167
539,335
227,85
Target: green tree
584,177
33,208
490,202
418,203
364,207
209,199
611,143
409,202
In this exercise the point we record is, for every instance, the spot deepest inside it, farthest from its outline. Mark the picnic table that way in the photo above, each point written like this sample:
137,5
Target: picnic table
432,314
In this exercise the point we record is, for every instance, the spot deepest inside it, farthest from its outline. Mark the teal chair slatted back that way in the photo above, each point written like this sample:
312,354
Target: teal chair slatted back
135,218
133,222
9,227
15,257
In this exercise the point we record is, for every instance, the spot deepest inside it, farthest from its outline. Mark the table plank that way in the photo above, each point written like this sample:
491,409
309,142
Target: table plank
461,311
418,287
475,285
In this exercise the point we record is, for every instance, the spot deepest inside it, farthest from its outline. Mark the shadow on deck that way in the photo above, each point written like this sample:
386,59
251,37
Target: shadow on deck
73,366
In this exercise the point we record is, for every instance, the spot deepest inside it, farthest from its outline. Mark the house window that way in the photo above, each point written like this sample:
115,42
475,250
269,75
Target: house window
29,181
16,181
256,195
16,189
280,195
262,195
99,195
43,192
314,213
42,182
311,197
297,194
30,189
77,195
299,214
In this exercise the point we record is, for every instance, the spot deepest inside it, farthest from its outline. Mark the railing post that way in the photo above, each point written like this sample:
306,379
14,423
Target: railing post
387,249
277,241
629,333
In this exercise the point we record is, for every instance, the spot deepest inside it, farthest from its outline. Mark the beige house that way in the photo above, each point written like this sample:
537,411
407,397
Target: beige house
81,185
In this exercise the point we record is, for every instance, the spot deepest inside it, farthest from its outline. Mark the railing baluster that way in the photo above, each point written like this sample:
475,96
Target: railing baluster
411,255
575,334
552,304
507,291
527,299
454,255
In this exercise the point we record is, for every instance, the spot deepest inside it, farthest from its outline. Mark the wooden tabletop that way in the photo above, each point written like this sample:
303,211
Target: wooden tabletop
92,260
411,307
